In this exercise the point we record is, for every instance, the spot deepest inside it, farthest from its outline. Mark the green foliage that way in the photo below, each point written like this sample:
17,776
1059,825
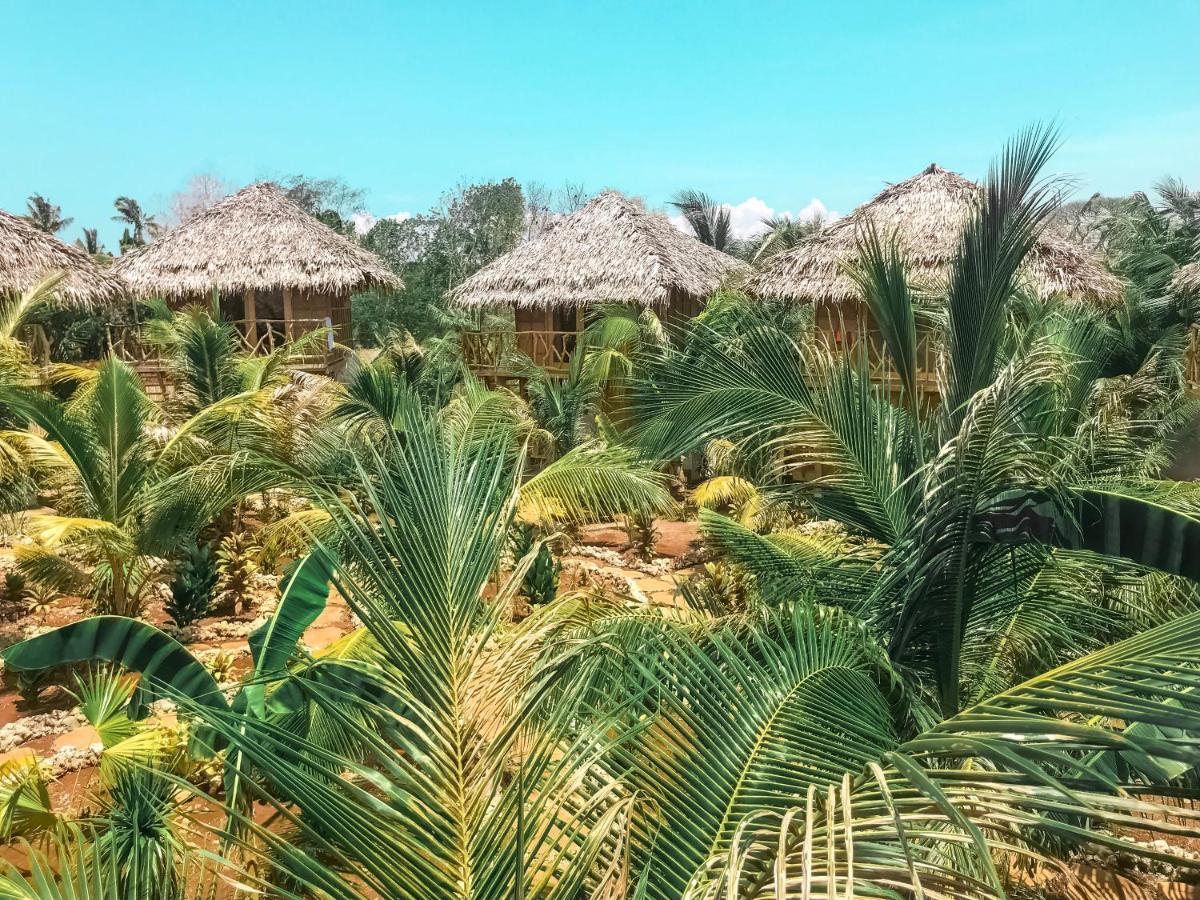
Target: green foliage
433,252
540,585
642,533
31,684
15,587
236,563
192,586
113,516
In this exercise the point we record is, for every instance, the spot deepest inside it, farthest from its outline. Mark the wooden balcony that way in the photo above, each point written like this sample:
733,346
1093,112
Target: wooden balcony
879,361
495,353
498,354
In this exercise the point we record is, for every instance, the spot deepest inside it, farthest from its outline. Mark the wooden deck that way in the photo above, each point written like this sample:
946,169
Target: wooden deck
259,337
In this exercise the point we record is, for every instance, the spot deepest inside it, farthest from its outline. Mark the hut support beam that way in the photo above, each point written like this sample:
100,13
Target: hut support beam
251,315
288,328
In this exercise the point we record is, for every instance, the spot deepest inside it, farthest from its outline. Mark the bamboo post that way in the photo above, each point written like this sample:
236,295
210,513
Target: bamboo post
288,318
251,315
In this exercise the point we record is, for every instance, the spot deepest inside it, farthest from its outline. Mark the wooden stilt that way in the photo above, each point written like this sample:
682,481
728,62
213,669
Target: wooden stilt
251,316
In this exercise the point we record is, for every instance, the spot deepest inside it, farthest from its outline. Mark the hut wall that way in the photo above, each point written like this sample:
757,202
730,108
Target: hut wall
312,309
681,308
546,334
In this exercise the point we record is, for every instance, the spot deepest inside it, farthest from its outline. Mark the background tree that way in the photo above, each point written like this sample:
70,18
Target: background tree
710,221
545,205
45,215
203,191
784,233
90,243
130,212
468,229
332,200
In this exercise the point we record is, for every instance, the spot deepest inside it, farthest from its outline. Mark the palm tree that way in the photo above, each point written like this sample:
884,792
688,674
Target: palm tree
448,485
783,233
130,212
45,215
114,515
710,221
90,242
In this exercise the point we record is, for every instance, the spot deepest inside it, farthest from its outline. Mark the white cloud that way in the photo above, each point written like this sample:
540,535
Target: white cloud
364,221
746,218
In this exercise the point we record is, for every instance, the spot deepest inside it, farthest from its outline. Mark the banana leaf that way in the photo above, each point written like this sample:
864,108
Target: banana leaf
305,591
167,669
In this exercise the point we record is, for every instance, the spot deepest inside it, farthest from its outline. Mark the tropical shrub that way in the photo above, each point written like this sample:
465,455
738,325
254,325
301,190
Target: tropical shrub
192,586
116,510
235,564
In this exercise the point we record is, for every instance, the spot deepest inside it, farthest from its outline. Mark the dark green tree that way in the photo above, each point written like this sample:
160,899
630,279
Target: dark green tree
45,215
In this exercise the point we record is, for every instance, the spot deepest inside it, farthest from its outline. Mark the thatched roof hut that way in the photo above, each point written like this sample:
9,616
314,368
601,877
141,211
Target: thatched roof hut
1187,279
254,240
611,249
28,254
927,213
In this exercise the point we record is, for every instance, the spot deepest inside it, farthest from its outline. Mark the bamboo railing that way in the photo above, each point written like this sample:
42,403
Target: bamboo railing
879,361
493,352
258,337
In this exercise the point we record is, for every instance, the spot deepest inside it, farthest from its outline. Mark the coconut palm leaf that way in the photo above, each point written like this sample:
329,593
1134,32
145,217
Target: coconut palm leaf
927,817
983,273
789,564
880,275
745,720
442,817
711,222
594,483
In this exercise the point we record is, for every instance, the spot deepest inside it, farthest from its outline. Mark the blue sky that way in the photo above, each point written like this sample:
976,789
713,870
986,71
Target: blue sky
784,102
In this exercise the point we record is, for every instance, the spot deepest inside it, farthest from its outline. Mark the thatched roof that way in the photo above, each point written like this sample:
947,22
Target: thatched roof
28,254
611,249
927,212
1187,279
258,240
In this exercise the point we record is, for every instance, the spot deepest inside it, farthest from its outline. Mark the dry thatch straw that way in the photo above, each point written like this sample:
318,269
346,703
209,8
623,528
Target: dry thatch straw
611,249
27,255
927,213
257,240
1187,279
